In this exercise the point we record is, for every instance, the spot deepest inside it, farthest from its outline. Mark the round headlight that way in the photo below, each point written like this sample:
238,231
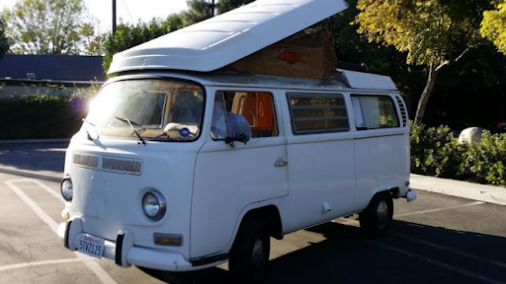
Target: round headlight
67,189
154,205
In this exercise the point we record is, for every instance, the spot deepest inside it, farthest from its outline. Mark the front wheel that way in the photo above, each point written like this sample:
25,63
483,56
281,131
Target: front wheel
249,256
375,220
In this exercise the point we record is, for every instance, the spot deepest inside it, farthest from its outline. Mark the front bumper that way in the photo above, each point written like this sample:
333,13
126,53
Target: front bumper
125,254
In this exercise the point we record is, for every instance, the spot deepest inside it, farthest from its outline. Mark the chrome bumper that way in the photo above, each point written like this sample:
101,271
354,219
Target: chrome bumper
125,254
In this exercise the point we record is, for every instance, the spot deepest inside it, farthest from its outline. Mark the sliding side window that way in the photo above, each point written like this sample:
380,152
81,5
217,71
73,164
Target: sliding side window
374,112
318,113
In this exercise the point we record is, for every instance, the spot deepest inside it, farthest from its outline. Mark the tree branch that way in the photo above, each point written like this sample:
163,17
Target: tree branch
449,62
462,55
446,63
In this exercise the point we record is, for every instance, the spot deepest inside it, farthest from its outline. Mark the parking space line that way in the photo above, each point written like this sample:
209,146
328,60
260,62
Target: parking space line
440,209
43,186
39,263
449,249
434,262
92,265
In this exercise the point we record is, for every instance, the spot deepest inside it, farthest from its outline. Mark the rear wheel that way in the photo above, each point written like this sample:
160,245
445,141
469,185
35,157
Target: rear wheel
375,220
249,256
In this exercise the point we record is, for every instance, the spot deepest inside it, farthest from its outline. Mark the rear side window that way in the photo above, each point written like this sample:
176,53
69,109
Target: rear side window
318,113
374,112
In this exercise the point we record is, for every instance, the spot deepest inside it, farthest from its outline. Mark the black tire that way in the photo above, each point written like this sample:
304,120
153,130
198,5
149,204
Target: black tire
375,220
249,256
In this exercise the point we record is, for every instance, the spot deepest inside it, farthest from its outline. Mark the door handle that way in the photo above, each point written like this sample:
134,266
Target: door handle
281,163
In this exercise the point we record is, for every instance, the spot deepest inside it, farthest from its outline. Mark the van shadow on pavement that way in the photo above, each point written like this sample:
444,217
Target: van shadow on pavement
410,253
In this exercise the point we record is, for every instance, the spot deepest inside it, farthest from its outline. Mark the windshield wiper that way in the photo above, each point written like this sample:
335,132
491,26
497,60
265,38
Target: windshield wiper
131,123
94,128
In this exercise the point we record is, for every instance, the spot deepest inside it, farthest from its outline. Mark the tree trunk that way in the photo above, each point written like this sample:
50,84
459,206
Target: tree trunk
422,103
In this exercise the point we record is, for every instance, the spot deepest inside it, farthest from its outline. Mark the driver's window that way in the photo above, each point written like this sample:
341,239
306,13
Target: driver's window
255,109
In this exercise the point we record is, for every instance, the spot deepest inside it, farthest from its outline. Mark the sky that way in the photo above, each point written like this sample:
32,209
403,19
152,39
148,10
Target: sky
128,10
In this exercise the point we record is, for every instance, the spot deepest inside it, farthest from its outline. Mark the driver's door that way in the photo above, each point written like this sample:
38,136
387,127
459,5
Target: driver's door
227,179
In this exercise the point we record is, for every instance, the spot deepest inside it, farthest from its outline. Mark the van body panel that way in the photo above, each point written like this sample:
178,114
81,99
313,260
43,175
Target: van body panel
226,181
319,172
381,165
111,201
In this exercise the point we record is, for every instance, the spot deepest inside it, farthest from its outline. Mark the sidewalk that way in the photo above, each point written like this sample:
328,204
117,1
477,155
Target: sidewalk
480,192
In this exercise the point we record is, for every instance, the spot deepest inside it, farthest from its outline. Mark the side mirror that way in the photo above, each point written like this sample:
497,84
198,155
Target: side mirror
242,133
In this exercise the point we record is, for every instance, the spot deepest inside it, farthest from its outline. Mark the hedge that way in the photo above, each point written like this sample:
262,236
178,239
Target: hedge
41,116
436,152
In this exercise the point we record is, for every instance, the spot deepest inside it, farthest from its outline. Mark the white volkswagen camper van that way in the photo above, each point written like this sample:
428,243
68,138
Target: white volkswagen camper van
179,168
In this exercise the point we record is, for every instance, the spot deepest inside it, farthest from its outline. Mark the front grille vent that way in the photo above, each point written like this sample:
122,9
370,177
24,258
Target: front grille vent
122,165
87,161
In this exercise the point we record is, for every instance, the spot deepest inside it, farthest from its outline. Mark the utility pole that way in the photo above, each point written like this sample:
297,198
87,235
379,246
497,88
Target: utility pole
213,8
113,16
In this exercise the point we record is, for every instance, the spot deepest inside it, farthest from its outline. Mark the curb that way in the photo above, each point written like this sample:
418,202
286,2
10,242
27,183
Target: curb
479,192
34,141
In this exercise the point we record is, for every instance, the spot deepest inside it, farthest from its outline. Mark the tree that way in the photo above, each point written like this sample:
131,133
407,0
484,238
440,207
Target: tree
434,33
47,26
92,40
128,36
494,26
4,42
227,5
353,47
198,11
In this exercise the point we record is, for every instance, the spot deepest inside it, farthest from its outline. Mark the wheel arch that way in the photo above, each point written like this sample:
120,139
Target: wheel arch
269,212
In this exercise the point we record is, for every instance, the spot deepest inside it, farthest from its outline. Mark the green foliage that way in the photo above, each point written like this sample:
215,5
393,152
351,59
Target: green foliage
355,48
41,116
430,31
227,5
4,42
433,33
128,36
198,11
483,162
436,152
48,26
493,26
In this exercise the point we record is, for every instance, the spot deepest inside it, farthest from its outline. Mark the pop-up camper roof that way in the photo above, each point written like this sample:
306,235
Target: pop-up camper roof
227,38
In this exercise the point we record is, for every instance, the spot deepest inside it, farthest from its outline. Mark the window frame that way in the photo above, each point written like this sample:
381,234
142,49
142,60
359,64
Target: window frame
395,110
142,77
232,90
310,95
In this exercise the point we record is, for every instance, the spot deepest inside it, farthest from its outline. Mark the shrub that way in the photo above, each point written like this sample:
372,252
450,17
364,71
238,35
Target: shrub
436,152
40,116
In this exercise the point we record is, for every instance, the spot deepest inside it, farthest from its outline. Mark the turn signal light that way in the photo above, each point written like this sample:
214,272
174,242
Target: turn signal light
168,240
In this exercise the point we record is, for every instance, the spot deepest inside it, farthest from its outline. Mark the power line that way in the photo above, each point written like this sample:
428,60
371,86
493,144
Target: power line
128,11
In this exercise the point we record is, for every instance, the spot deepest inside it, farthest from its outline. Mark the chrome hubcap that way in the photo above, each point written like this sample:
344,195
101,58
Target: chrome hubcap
382,213
258,253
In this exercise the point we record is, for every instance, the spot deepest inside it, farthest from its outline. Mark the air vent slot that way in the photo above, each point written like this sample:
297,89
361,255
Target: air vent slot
122,166
87,161
404,112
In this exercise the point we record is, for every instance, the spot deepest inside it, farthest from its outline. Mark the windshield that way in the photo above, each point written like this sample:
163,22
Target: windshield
161,110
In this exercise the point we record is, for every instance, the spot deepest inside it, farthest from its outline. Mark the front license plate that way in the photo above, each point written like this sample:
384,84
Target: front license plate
91,246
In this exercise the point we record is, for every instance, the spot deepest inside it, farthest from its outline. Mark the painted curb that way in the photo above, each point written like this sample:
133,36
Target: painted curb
479,192
34,141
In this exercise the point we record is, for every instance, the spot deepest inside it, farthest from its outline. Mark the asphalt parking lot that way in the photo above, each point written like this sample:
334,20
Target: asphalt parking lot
437,239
